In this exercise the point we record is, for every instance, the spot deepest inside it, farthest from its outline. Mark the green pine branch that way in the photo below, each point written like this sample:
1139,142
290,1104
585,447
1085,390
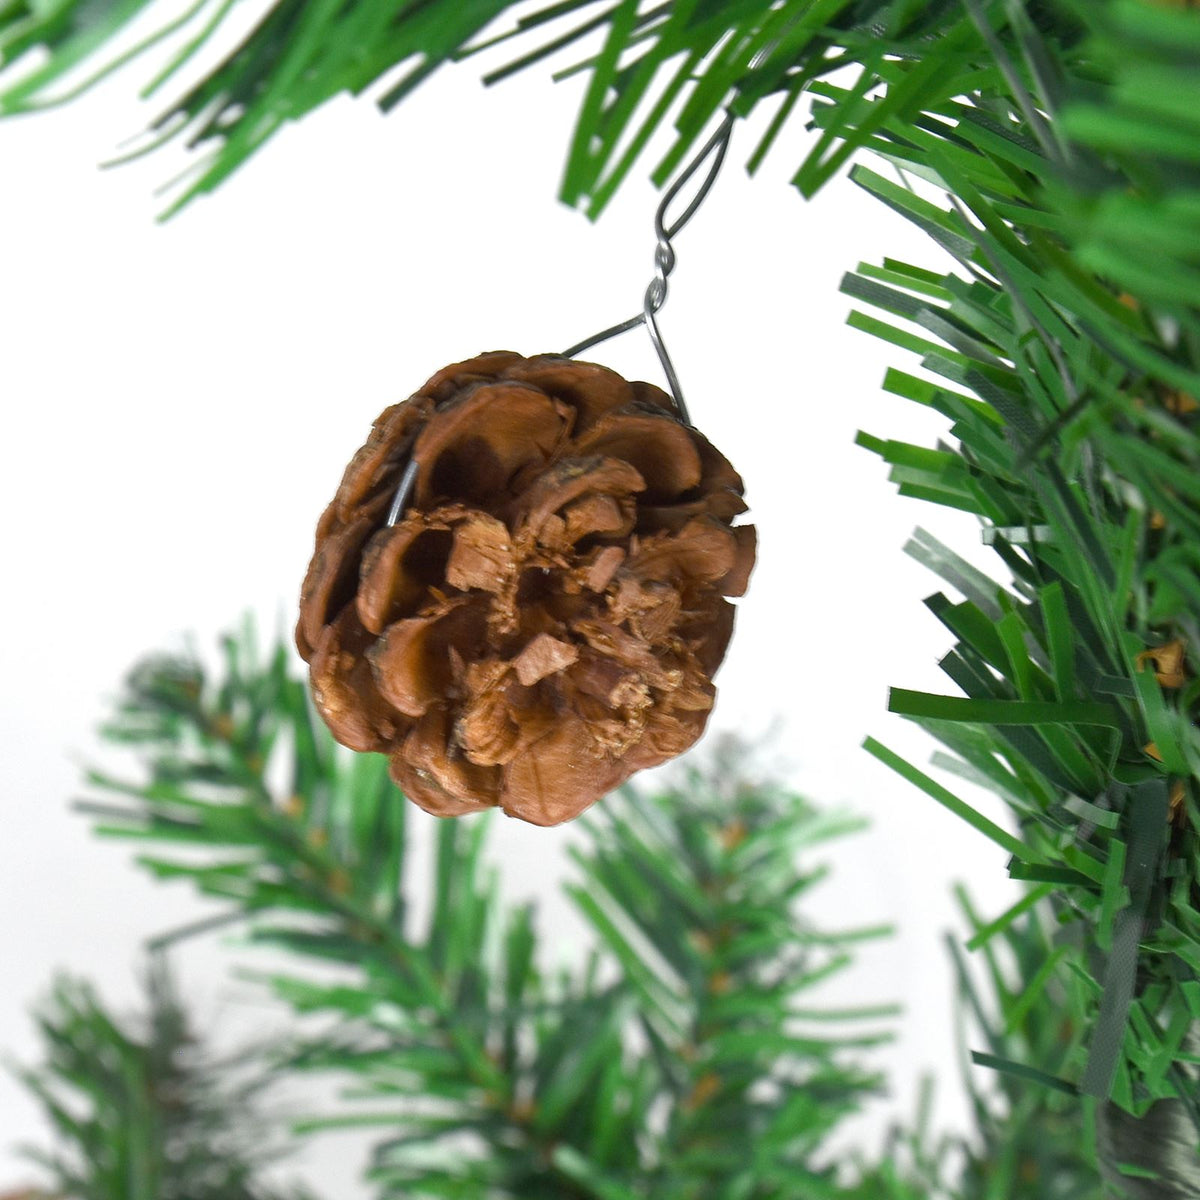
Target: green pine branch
1034,1133
678,63
1076,444
648,1070
701,883
1030,1135
140,1110
682,1058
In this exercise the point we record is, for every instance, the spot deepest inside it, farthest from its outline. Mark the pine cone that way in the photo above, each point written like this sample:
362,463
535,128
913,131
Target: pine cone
546,618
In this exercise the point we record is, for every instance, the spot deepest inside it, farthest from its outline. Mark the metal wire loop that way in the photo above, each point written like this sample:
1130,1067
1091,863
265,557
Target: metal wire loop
712,153
655,296
407,482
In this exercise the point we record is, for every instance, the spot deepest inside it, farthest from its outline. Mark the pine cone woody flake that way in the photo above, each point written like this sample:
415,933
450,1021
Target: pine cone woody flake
547,616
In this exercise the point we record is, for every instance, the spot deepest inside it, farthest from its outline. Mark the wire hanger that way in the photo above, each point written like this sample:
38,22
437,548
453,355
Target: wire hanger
664,259
711,153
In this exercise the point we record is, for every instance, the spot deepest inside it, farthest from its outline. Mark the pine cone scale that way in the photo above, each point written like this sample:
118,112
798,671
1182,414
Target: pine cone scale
397,568
570,480
331,579
344,687
375,469
411,663
659,448
559,775
483,438
590,389
482,555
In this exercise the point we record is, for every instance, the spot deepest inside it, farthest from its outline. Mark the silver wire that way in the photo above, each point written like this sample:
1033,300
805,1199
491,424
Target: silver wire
712,152
403,491
664,259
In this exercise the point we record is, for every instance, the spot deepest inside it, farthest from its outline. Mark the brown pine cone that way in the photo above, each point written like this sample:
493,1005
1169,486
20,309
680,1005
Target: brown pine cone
547,616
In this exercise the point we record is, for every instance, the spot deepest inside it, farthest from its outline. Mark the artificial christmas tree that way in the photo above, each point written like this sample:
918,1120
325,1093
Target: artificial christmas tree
1052,150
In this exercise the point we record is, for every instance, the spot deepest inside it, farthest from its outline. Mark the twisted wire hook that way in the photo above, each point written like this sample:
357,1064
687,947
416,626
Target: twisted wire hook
713,153
664,259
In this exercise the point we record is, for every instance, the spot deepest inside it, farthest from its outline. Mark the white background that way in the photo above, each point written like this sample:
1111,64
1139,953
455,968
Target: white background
178,402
